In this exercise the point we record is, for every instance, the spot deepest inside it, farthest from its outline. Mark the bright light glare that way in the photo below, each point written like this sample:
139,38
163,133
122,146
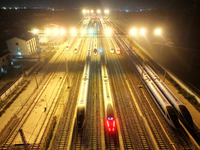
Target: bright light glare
84,11
92,11
35,31
91,31
55,31
83,31
73,31
108,31
62,31
106,11
157,31
133,31
142,31
88,11
98,11
47,31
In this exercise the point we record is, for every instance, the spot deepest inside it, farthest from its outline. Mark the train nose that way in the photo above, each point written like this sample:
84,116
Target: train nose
111,125
80,117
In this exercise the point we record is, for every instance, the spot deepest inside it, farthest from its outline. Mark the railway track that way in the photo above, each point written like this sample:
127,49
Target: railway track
78,137
111,140
132,126
93,122
149,116
27,112
62,138
92,125
93,119
180,135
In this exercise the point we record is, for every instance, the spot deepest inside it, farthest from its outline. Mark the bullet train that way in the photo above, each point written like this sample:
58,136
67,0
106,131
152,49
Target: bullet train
165,107
181,110
160,100
110,122
82,101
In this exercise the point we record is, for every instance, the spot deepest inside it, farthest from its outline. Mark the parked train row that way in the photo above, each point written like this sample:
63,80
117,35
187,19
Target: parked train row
170,106
161,101
181,111
164,106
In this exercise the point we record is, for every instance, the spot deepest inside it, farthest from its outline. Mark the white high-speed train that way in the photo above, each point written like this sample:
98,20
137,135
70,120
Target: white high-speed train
181,110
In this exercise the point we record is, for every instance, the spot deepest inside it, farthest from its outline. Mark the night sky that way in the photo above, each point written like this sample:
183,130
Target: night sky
113,4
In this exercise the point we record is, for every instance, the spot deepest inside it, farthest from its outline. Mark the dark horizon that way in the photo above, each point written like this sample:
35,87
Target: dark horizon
112,4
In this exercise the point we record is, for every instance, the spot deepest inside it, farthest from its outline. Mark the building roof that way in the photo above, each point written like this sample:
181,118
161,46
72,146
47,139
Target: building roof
26,36
23,36
3,52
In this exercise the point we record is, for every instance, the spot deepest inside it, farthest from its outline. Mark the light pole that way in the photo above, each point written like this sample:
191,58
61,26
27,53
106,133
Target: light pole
36,80
67,70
